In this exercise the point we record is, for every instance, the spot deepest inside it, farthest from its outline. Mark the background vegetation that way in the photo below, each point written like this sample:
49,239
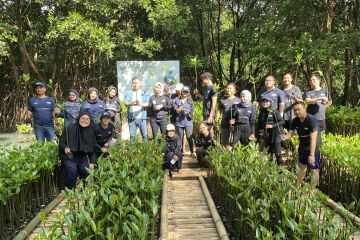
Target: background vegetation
76,43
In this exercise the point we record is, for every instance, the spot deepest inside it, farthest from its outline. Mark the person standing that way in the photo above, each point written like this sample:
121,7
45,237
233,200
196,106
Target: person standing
112,99
173,154
209,97
71,108
226,109
184,107
93,105
292,94
270,126
137,100
276,95
77,149
244,117
307,128
159,106
178,88
42,109
318,99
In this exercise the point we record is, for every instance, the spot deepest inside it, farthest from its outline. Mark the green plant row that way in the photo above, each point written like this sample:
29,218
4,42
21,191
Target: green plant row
29,178
120,199
343,120
263,202
340,169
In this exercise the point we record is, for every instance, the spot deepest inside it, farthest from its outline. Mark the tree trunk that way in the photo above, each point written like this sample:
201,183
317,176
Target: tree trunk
329,20
348,76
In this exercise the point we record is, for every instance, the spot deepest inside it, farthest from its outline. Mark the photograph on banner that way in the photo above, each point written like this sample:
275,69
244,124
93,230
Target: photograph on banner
149,72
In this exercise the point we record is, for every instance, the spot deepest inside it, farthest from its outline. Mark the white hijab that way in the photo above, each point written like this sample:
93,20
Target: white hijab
162,88
248,98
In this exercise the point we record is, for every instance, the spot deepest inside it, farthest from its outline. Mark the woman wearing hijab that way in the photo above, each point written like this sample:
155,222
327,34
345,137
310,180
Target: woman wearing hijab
71,108
111,100
244,116
159,106
77,149
93,105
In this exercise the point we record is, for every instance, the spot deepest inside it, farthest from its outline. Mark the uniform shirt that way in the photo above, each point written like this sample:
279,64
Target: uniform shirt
136,112
276,95
173,144
226,105
318,109
304,129
245,115
206,141
208,93
158,100
94,108
183,119
103,135
42,110
294,90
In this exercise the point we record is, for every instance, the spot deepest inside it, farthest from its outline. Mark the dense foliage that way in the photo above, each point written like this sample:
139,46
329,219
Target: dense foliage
340,169
120,199
263,202
76,43
29,178
343,120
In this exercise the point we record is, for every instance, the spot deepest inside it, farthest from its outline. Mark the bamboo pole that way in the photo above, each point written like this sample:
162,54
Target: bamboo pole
214,213
164,208
23,234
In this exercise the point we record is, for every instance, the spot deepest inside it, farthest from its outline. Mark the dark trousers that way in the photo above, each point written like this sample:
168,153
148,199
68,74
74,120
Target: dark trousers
168,158
156,124
225,135
202,157
74,168
242,134
275,148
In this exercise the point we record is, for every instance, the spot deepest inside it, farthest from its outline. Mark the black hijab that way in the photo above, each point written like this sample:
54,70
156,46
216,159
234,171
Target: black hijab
81,139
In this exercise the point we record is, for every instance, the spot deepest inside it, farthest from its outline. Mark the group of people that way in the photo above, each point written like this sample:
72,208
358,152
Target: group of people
282,112
92,126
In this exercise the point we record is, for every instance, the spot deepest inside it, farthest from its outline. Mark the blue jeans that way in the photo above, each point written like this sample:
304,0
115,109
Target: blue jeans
168,158
44,132
74,168
136,123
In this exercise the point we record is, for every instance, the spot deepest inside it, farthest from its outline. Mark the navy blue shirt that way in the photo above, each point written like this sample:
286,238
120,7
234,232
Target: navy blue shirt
276,95
304,129
208,93
226,105
42,110
93,108
103,135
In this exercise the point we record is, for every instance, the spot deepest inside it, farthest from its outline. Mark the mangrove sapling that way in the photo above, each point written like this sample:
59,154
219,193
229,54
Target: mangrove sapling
267,201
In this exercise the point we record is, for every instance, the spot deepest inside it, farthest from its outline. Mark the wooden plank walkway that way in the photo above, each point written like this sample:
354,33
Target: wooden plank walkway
188,211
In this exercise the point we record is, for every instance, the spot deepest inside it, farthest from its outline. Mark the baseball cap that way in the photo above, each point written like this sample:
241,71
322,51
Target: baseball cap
179,86
39,84
186,89
170,127
268,98
111,107
105,114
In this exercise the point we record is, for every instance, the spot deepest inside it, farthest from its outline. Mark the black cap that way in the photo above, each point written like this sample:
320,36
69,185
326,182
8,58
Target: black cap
39,84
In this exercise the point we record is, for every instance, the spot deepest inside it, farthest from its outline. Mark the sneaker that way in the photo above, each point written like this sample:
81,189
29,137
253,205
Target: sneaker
193,155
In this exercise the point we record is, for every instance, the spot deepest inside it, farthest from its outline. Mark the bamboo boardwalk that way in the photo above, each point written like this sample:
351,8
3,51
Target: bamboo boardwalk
188,211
